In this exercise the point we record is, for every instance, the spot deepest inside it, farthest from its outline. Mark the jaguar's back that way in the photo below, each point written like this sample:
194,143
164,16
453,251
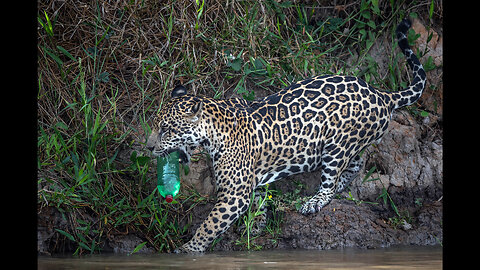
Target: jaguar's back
334,114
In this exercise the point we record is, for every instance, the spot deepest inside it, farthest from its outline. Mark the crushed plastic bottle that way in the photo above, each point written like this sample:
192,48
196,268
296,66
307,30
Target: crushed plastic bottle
168,176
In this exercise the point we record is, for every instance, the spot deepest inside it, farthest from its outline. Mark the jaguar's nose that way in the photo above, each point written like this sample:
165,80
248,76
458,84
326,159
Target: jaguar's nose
150,147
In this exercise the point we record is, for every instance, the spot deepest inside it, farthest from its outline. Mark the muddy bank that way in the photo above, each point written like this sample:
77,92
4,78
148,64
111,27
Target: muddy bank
344,224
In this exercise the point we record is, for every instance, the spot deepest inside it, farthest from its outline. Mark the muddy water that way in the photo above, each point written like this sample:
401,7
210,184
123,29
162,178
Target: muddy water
388,258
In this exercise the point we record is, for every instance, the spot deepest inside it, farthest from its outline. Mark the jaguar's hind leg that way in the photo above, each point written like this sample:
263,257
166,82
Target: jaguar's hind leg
329,176
337,172
350,173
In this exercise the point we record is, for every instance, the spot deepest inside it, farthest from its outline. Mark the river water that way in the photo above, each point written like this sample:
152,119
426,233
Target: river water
387,258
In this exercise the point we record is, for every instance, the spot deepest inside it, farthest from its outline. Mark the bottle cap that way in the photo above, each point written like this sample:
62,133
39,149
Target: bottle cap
169,198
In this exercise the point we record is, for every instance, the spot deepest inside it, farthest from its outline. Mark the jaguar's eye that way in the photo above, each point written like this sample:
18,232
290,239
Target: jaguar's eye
163,130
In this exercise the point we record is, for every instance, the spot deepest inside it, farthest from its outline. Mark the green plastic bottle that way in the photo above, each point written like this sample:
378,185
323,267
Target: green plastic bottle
168,176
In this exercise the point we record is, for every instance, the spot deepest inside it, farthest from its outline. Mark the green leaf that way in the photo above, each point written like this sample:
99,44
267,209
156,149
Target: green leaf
423,114
47,26
133,156
372,24
363,33
369,173
83,245
142,161
383,195
239,88
103,77
69,236
429,64
61,125
53,56
375,7
235,64
430,12
137,248
250,96
60,48
412,36
366,14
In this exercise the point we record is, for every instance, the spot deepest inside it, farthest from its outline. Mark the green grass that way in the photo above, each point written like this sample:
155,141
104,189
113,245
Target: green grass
105,69
250,218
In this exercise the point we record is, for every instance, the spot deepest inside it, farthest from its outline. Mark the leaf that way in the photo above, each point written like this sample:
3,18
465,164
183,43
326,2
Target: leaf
369,173
60,48
83,245
69,236
235,64
142,161
42,23
133,156
429,64
53,56
366,14
412,36
383,195
424,114
372,24
137,248
239,88
363,33
430,12
47,26
103,77
250,96
61,125
375,7
392,204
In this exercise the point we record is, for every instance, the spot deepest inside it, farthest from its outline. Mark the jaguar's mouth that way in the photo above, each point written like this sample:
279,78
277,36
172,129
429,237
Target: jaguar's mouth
184,158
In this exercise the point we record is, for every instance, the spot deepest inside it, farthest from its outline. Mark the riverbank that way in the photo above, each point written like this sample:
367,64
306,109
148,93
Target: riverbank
105,68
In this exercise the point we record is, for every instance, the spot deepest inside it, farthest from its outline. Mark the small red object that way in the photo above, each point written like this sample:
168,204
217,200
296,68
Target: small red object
169,198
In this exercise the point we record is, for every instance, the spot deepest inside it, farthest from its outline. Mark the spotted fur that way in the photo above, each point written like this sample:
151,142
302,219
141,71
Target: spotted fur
321,122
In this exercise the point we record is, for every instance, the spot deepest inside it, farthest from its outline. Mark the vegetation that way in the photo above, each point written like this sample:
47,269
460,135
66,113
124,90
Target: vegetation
105,67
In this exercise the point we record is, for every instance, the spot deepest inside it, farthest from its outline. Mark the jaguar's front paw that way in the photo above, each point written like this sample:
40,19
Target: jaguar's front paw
309,207
188,248
313,206
179,250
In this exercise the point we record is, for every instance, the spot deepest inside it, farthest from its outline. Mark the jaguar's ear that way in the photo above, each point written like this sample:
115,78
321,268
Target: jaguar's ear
179,90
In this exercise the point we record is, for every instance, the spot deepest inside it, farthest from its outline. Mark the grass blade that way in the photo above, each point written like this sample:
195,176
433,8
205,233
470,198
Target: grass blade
60,48
137,248
69,236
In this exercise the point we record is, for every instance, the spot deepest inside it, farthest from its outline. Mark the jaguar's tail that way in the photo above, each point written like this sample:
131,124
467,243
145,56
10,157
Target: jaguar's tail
413,92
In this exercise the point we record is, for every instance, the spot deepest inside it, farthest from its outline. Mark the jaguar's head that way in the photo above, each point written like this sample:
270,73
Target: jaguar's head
176,127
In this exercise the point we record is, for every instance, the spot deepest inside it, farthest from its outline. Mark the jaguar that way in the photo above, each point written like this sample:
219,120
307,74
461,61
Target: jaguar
319,123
